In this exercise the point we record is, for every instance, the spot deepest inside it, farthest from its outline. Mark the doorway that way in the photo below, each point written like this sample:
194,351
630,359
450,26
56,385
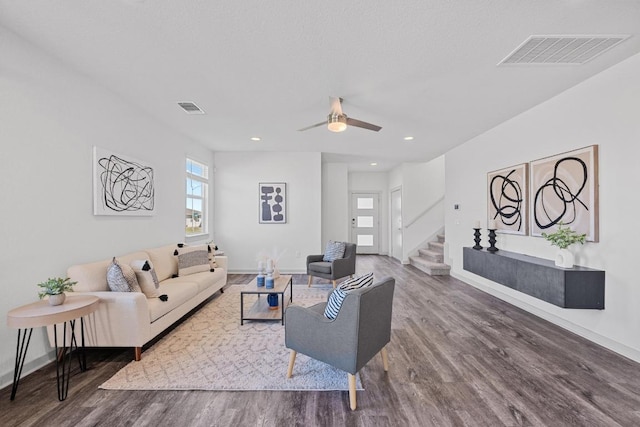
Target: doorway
364,222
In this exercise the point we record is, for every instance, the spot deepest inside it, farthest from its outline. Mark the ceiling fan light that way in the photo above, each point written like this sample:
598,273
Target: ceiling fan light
337,122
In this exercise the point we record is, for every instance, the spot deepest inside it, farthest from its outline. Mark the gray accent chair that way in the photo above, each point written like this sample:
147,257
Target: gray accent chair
342,267
361,330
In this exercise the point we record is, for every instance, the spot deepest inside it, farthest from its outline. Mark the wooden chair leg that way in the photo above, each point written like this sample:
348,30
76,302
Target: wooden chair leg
309,283
335,282
292,360
137,353
352,391
385,359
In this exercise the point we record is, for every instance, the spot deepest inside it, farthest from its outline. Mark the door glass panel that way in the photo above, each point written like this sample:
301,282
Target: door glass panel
365,203
365,240
365,221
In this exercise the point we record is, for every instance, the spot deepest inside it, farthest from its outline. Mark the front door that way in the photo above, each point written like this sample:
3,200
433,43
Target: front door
364,222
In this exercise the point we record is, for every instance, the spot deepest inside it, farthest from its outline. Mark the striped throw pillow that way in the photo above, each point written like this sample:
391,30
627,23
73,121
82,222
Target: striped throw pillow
121,277
340,293
333,251
193,259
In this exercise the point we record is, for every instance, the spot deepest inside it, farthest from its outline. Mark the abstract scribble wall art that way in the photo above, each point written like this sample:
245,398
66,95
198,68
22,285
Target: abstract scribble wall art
272,202
564,188
121,185
508,196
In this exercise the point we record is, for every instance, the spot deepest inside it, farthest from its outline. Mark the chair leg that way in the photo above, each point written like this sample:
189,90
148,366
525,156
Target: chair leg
385,359
335,282
137,353
309,283
292,360
352,391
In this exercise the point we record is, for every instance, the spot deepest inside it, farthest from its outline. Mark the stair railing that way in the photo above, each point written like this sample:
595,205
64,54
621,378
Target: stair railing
424,212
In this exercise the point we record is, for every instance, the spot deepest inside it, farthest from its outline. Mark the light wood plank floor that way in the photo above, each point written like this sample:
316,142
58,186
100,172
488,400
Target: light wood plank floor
457,357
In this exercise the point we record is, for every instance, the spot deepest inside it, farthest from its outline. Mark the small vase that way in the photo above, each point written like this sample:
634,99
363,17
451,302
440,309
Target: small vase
272,300
564,258
57,299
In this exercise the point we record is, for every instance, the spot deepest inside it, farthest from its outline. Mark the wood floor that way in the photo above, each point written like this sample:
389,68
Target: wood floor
457,357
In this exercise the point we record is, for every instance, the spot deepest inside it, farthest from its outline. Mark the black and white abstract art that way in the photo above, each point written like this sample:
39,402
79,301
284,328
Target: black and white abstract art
121,185
272,207
507,204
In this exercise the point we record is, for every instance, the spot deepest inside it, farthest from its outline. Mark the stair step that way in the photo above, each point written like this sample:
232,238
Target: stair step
440,238
429,267
436,247
433,256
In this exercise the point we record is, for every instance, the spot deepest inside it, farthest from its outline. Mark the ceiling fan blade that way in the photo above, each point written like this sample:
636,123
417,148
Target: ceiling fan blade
336,105
313,126
361,124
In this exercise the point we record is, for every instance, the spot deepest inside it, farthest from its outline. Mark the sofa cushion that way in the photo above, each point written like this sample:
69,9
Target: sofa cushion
192,259
177,294
121,277
147,278
320,267
203,280
333,251
164,262
340,293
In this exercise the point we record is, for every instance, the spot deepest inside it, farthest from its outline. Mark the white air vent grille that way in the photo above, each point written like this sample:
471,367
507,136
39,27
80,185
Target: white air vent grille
190,108
561,49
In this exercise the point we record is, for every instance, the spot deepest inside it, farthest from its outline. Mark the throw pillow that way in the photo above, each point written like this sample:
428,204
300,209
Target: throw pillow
147,278
340,293
212,248
121,277
333,251
192,259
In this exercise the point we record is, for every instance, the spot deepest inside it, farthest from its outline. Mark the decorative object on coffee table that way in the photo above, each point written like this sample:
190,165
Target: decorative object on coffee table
272,300
563,238
55,288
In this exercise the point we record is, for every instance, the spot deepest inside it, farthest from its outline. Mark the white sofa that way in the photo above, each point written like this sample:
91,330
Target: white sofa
130,319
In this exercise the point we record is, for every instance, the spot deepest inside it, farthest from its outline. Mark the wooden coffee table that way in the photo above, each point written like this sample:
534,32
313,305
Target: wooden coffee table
260,309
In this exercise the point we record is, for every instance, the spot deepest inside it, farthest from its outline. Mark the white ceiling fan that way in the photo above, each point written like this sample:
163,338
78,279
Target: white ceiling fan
337,121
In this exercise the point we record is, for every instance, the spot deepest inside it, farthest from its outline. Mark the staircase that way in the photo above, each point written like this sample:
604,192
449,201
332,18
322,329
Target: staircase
431,260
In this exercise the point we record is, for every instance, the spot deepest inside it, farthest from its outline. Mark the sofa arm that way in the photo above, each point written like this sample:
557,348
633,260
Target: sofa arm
121,320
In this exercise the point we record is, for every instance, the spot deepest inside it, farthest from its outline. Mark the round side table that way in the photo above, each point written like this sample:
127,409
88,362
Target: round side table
41,313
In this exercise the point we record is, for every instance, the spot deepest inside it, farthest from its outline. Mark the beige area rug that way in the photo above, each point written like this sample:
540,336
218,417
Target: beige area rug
212,351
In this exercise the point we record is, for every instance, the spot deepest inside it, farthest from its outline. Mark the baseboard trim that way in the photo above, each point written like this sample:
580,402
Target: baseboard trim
6,379
602,340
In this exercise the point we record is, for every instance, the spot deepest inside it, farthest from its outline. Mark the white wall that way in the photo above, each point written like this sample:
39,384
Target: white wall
604,111
335,202
422,203
374,182
238,232
51,119
423,189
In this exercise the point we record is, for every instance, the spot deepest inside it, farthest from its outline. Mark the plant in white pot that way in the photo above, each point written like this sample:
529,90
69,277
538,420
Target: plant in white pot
563,238
55,288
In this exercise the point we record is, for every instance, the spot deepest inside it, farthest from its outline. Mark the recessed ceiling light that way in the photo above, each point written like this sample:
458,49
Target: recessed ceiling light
408,138
255,138
373,164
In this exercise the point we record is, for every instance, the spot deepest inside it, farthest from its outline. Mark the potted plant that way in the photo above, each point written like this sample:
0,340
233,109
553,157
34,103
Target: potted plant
55,288
563,238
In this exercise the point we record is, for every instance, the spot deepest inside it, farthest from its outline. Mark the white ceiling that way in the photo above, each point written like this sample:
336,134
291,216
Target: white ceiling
425,68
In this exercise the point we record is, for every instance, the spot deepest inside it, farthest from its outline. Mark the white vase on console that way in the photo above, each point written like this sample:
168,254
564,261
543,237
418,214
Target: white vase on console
564,258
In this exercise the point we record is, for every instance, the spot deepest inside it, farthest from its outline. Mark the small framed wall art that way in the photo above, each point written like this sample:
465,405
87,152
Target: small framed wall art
272,203
508,198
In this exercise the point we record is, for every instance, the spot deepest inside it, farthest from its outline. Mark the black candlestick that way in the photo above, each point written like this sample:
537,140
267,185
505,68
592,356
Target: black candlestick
492,241
477,239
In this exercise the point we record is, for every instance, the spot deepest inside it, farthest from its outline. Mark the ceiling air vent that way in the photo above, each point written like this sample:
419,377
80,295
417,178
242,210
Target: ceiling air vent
190,108
561,49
